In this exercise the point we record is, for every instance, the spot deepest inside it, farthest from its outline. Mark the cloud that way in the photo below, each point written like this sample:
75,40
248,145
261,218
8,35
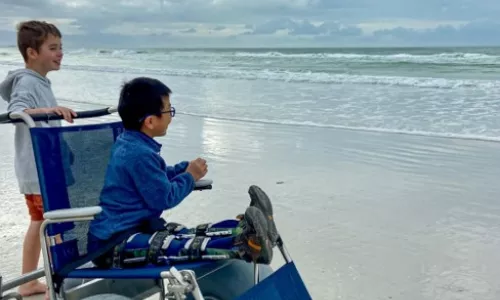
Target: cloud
304,28
474,33
277,22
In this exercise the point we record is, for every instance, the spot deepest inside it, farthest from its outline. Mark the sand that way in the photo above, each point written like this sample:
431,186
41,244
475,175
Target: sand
364,215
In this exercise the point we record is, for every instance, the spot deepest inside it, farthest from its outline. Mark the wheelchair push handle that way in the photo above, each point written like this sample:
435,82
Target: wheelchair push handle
16,117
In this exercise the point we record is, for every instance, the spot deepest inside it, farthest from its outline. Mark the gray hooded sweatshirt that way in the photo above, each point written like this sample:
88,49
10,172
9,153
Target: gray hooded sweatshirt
24,89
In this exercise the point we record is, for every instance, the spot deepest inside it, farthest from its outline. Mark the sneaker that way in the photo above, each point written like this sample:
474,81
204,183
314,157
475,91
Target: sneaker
260,200
254,239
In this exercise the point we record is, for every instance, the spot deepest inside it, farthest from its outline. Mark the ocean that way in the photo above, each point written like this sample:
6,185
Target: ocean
451,92
383,163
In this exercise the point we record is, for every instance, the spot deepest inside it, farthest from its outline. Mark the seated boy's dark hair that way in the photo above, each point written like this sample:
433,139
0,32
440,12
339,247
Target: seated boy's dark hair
32,34
139,98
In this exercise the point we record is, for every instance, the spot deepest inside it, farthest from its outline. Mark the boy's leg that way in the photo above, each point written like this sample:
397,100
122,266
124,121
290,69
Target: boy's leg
229,227
248,241
245,239
258,199
31,246
242,239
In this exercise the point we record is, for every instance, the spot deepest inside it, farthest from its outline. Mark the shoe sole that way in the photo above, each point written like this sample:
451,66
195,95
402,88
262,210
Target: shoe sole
259,199
257,221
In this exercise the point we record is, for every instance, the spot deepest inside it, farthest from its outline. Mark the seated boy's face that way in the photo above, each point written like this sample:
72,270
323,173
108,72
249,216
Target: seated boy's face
164,120
50,55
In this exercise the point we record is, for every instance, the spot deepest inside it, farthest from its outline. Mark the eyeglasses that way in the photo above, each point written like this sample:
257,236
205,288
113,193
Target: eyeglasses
171,111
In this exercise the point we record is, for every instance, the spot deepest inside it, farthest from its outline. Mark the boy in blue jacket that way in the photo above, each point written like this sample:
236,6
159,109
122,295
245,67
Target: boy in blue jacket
139,186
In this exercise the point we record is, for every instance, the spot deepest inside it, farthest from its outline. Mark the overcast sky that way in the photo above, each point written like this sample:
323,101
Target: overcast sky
182,23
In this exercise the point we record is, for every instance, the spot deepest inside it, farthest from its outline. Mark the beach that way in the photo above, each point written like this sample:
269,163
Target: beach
366,213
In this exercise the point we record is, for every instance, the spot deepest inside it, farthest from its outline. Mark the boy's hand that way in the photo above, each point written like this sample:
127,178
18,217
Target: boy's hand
197,168
67,113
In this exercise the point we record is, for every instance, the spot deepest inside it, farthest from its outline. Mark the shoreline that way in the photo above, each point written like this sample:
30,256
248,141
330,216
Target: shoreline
361,213
378,131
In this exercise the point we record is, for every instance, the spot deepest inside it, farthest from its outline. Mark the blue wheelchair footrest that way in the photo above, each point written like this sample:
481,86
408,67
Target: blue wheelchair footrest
152,272
285,283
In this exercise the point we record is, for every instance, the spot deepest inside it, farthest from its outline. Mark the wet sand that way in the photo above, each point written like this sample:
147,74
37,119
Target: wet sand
364,215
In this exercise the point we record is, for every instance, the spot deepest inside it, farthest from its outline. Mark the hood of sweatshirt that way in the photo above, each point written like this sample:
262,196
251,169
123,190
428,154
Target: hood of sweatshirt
26,75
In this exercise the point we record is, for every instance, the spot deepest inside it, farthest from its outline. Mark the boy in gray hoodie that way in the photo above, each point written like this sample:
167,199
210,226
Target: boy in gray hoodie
29,90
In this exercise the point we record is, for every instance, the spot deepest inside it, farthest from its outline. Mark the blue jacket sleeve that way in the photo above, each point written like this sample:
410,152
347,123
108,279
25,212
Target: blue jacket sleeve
179,168
152,182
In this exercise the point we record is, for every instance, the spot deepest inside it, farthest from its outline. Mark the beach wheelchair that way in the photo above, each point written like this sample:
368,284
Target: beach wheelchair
71,162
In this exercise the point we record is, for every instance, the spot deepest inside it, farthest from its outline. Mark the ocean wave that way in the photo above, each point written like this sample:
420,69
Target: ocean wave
350,55
456,58
106,52
460,58
461,136
385,130
307,77
298,77
327,55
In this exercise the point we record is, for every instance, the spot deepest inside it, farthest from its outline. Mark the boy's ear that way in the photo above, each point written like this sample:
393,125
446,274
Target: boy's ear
148,122
31,53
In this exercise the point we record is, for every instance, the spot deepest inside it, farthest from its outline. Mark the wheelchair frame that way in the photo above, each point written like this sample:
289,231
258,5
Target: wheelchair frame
180,283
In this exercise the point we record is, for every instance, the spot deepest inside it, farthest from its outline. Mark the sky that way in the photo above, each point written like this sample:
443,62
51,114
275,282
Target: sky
260,23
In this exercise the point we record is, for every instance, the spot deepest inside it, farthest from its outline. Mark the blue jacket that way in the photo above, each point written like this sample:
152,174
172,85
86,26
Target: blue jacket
138,185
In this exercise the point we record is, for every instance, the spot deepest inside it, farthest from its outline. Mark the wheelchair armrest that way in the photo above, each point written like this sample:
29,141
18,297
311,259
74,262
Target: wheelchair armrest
72,213
203,184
